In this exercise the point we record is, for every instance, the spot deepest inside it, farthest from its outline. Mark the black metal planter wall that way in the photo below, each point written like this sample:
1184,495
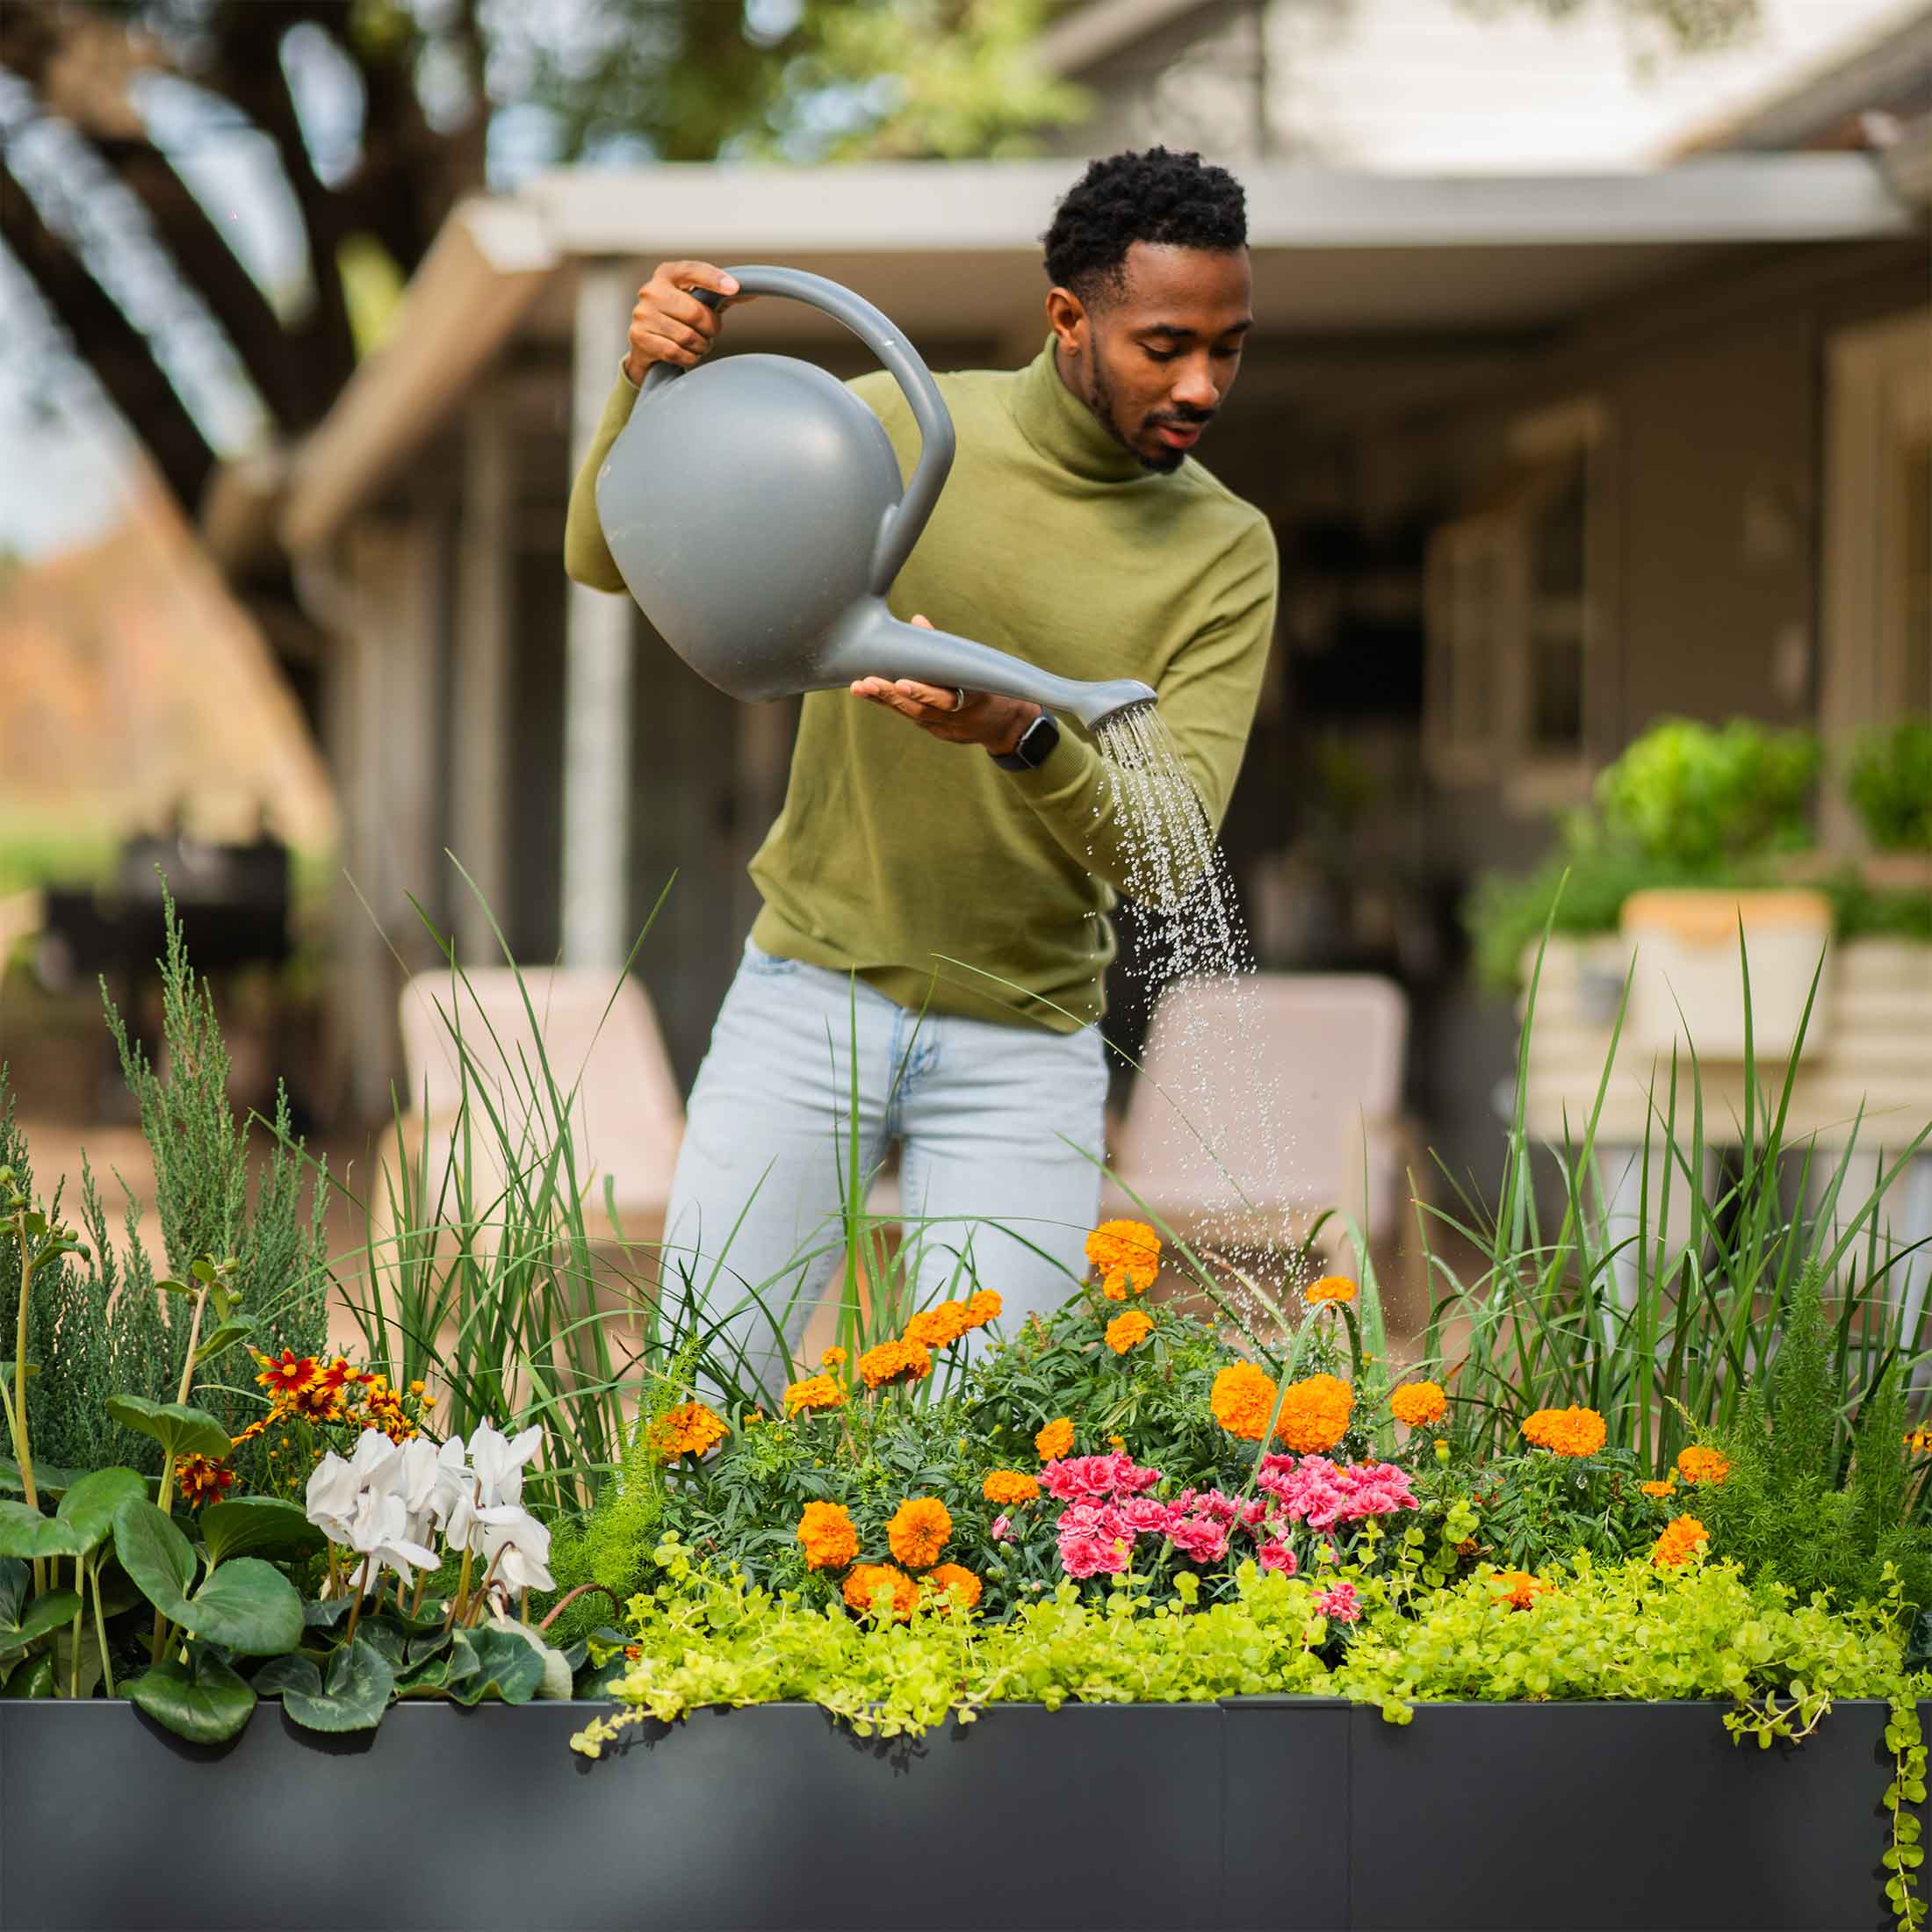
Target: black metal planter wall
1267,1815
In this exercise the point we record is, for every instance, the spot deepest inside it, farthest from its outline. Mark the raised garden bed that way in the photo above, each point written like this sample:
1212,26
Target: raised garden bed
1254,1813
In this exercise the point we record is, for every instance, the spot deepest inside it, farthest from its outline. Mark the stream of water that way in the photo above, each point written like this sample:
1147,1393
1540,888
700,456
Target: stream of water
1220,1137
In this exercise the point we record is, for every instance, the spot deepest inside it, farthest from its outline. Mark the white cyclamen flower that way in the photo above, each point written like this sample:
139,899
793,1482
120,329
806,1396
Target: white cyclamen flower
499,1462
435,1483
517,1548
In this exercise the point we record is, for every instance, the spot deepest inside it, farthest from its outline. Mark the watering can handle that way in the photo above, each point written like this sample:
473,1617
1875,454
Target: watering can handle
903,523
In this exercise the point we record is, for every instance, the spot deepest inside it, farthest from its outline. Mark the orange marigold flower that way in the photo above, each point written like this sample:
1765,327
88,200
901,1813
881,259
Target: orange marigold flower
688,1429
283,1374
1518,1588
1417,1404
1571,1431
955,1586
825,1530
1703,1465
939,1326
864,1581
1054,1440
1125,1331
815,1392
1683,1538
983,1308
202,1480
918,1529
833,1358
1128,1253
1009,1486
901,1361
418,1389
1668,1487
1315,1413
1242,1399
1331,1287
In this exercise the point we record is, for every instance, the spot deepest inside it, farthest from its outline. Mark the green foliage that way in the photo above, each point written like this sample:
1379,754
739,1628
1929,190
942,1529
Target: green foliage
1784,1512
1538,1509
1657,26
201,1157
1889,782
1689,795
684,80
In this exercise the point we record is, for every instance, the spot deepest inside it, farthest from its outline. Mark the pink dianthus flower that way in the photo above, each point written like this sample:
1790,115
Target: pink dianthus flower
1338,1604
1276,1555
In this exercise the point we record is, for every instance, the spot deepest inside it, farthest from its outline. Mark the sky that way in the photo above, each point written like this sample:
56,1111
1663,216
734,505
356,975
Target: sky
1404,86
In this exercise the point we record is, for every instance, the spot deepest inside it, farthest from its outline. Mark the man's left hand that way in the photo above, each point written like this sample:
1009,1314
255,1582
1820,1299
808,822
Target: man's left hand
984,718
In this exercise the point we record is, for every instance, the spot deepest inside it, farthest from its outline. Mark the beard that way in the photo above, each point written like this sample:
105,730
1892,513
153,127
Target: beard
1101,401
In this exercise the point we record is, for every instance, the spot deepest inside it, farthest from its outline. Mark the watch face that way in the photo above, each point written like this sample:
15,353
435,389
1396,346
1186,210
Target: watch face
1037,741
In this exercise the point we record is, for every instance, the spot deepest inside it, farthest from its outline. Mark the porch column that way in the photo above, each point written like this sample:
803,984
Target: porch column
485,592
597,631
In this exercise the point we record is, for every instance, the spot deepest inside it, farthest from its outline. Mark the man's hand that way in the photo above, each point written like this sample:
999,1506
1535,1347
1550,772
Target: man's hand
984,718
669,324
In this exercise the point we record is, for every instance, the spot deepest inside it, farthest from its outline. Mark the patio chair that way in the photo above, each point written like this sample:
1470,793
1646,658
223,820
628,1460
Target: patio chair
1333,1043
605,1053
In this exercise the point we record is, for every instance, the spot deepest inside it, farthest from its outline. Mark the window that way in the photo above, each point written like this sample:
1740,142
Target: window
1878,654
1510,604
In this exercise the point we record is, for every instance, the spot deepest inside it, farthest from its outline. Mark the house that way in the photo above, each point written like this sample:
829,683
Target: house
1547,455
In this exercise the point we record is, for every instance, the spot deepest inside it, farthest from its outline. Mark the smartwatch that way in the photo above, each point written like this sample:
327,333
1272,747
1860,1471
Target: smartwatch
1034,747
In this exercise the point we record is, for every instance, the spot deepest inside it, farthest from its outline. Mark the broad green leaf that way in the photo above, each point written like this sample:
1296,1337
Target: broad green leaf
202,1270
82,1680
507,1667
34,1679
14,1578
257,1526
326,1615
203,1701
88,1508
50,1480
154,1553
247,1606
48,1612
352,1696
168,1285
6,1371
223,1338
179,1430
27,1532
442,1672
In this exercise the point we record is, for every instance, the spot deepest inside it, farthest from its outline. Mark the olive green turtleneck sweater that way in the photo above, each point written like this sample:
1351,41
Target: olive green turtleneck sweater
913,861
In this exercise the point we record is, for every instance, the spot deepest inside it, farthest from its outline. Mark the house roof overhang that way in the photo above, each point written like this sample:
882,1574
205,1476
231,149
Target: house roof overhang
951,251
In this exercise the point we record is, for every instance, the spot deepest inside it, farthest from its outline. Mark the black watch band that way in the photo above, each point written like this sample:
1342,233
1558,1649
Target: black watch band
1034,747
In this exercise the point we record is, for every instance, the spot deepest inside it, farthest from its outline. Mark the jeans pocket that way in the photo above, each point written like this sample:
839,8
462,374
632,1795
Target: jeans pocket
766,965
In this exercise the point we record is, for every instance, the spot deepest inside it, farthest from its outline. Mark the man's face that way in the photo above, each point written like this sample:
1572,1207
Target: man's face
1155,363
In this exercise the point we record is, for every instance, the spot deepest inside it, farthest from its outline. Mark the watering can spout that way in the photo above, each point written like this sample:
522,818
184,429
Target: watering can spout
873,643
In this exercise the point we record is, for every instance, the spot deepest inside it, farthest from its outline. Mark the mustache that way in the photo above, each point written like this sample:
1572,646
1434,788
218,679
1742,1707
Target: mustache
1183,422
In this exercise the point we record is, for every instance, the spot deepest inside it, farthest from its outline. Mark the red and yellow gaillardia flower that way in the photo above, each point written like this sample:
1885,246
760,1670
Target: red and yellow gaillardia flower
1336,1288
1008,1487
1128,1253
1128,1330
1242,1400
1571,1431
825,1530
918,1529
1683,1538
1697,1466
815,1392
688,1429
955,1586
1055,1440
1315,1413
864,1581
1416,1405
939,1326
1918,1441
203,1481
283,1374
890,1362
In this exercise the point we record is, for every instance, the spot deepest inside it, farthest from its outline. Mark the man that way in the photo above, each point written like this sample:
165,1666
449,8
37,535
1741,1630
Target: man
937,885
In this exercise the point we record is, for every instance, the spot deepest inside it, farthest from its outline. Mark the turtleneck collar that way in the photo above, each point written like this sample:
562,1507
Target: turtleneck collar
1063,429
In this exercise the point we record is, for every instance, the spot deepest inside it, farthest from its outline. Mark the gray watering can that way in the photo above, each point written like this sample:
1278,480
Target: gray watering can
753,505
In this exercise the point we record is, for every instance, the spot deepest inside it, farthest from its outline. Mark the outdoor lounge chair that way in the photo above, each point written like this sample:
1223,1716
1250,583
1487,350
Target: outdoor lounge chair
1333,1044
605,1056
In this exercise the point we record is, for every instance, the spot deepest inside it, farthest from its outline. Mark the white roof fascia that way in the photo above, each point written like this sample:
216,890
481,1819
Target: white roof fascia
718,212
1090,34
485,266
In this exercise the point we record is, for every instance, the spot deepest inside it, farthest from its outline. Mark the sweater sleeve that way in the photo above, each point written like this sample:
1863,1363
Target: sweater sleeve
1207,702
587,557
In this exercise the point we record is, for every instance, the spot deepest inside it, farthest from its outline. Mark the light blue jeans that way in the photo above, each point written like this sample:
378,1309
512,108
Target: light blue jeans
984,1115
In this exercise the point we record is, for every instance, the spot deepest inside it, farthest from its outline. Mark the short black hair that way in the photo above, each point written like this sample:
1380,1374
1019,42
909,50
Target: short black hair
1171,200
